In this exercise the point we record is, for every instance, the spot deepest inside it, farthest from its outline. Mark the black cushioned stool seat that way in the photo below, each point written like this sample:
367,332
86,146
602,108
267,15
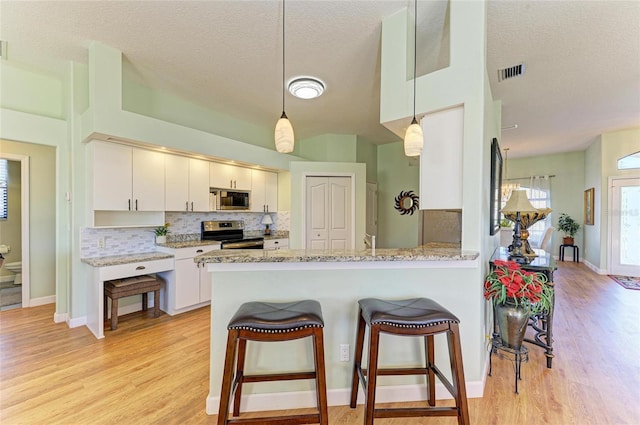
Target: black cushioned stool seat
262,321
411,317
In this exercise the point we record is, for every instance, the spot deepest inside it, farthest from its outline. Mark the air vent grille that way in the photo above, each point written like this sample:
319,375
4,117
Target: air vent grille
511,72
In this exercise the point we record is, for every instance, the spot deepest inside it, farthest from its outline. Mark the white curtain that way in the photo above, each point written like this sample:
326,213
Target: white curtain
539,193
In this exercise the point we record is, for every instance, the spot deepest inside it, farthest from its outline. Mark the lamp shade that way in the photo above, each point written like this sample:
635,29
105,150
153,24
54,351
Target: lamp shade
518,202
284,135
413,139
266,219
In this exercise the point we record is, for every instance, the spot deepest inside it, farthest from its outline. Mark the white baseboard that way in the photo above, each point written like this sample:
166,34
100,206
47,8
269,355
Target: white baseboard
75,322
60,317
339,397
594,268
34,302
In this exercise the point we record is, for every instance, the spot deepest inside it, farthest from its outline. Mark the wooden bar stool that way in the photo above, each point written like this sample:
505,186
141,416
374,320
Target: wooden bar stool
411,317
265,322
119,288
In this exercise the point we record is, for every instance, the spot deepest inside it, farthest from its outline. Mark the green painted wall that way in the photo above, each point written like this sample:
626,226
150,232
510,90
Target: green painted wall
593,235
26,90
329,148
567,187
145,101
396,173
368,153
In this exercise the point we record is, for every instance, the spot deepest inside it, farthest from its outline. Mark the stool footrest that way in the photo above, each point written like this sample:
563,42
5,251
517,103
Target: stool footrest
278,377
405,371
279,420
415,412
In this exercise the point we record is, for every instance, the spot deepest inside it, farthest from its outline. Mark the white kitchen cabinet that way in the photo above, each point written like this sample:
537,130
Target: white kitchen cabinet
441,169
275,244
226,176
264,191
187,184
127,178
188,285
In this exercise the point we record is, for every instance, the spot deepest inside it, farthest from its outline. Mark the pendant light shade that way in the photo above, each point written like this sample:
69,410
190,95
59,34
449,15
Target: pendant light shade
284,135
284,130
414,138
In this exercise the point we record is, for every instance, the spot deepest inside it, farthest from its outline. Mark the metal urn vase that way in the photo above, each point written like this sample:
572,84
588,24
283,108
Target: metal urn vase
512,324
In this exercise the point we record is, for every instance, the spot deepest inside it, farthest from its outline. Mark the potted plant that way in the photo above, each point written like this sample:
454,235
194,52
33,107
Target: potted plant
516,294
569,227
161,233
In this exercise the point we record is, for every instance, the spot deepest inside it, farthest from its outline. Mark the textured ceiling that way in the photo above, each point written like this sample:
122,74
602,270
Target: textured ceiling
582,58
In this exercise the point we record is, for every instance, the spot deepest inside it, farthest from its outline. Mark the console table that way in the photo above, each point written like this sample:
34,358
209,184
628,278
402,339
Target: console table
541,323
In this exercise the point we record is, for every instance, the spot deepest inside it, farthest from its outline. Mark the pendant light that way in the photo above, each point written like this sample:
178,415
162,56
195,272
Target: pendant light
284,130
413,138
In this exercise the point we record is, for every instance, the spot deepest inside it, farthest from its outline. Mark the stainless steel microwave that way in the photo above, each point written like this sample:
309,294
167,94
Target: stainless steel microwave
221,199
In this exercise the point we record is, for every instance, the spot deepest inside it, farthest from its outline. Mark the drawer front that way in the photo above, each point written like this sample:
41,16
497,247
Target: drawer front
182,253
276,243
135,269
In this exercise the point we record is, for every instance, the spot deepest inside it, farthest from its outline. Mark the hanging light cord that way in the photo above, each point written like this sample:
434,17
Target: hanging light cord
415,56
283,50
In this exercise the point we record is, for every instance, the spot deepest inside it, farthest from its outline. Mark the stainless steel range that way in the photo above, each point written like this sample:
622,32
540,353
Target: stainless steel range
230,234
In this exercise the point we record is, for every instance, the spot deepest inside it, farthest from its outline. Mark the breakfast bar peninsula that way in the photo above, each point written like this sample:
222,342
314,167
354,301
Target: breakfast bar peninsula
338,279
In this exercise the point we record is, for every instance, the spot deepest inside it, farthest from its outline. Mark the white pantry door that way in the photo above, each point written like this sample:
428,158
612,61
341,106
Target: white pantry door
328,213
625,226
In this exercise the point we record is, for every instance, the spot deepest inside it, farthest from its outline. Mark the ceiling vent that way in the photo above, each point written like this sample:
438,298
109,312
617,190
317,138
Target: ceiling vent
511,72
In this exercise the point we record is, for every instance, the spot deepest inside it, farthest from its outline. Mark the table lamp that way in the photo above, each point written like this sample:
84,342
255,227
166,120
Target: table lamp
518,203
266,220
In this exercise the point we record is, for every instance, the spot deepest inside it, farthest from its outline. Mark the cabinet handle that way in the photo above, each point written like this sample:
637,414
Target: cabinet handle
198,251
231,184
129,204
140,268
136,205
191,205
186,206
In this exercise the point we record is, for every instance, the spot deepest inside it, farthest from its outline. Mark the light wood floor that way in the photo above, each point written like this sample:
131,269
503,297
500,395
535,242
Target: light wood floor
155,371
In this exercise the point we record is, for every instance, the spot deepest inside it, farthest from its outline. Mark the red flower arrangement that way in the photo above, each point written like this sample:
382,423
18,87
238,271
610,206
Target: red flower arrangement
509,283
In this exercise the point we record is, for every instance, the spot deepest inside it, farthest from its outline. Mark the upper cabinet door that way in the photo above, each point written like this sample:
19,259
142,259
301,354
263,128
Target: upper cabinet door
264,191
148,180
225,176
444,161
112,177
198,185
176,189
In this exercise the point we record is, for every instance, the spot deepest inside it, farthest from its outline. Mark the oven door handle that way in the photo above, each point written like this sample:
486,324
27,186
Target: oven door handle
240,245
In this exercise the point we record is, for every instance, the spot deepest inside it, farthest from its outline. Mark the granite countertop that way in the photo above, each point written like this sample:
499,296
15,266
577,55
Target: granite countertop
189,241
188,244
114,260
429,252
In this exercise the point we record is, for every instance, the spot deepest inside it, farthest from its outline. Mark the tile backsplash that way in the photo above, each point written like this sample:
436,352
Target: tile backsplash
130,240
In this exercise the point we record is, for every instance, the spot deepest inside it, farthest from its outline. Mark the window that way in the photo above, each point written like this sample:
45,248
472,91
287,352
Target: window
4,180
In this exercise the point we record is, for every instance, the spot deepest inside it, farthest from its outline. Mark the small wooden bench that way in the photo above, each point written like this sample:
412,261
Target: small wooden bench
119,288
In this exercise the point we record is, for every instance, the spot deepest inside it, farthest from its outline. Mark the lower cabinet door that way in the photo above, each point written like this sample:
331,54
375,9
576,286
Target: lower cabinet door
187,283
205,283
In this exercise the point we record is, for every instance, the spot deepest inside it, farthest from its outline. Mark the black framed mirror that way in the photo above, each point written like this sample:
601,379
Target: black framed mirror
496,187
407,202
